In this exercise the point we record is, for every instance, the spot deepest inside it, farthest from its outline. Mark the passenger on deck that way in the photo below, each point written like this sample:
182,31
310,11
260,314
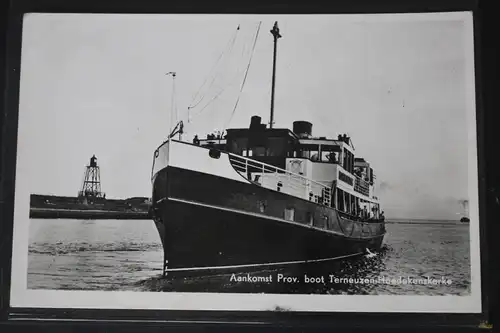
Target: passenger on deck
382,217
196,141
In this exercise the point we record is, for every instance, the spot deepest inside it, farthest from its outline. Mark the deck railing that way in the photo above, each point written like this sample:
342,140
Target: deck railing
281,180
361,186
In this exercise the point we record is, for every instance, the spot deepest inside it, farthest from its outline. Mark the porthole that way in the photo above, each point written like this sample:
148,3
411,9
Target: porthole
214,153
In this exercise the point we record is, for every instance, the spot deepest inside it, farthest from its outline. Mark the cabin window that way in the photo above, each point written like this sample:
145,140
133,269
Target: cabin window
314,154
340,200
289,214
259,151
321,222
236,146
318,153
262,206
302,153
325,222
348,161
329,157
347,203
330,153
308,151
276,146
309,218
260,146
352,200
350,204
351,162
326,196
328,222
345,162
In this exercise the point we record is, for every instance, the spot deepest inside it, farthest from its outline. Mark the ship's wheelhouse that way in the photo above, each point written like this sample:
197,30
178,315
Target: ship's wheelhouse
270,146
317,152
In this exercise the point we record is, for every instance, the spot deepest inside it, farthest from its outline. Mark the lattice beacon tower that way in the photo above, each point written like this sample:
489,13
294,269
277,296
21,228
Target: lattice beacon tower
91,187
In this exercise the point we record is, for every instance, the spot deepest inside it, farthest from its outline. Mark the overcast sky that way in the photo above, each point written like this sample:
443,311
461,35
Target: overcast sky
96,84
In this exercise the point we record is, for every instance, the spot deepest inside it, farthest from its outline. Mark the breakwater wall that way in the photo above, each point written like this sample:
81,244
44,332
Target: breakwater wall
53,207
41,213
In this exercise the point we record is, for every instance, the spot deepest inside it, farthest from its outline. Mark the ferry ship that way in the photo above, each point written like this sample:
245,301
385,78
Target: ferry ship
262,197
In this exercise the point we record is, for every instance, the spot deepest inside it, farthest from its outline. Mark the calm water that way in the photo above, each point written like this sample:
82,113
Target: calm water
127,255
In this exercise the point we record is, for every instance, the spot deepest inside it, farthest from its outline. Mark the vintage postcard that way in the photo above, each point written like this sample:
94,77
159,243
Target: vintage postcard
247,162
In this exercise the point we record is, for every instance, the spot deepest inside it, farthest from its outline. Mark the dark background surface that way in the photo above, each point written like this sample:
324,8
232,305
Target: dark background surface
486,75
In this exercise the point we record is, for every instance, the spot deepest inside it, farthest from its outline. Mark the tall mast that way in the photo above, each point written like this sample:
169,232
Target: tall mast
173,74
276,34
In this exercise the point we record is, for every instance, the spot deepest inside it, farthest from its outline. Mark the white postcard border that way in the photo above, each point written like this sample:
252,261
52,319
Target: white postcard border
22,297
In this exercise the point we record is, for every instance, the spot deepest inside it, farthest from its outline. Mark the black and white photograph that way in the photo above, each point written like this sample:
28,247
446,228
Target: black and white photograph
247,162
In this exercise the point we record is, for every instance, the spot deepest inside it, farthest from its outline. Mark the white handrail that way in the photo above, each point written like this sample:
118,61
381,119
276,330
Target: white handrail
272,167
294,181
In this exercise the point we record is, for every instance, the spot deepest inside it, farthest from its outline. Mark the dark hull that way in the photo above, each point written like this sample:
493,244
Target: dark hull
215,225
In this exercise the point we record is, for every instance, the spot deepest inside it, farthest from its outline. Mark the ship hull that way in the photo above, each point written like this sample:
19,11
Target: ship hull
202,240
210,225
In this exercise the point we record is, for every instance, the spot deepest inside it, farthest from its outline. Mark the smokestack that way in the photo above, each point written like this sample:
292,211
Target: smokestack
303,129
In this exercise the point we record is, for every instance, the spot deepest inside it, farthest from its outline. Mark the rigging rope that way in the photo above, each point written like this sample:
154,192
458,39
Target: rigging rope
245,78
217,95
231,83
229,46
175,105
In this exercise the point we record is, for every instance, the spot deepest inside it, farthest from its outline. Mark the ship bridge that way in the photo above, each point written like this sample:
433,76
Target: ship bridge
268,145
274,145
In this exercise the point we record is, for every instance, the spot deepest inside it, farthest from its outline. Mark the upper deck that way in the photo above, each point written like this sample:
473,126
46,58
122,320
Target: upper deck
322,159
